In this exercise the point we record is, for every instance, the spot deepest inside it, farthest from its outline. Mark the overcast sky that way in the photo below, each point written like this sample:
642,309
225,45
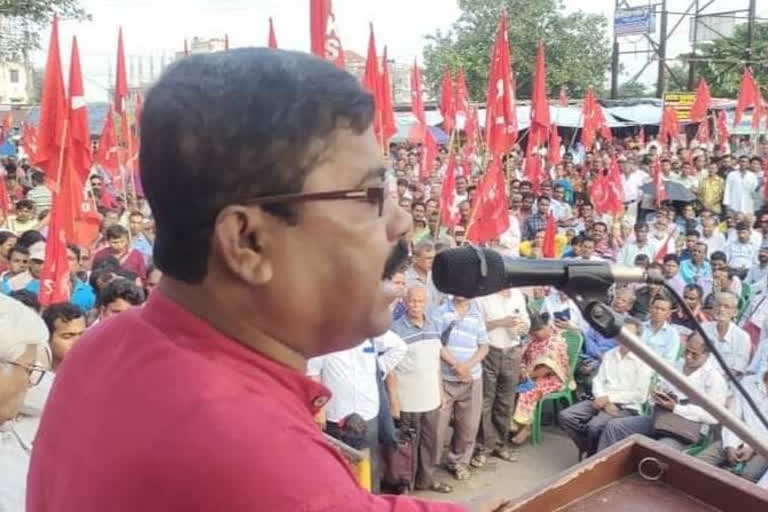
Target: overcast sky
154,27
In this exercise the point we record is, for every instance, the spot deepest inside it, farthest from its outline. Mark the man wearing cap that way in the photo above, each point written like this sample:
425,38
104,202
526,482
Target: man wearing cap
284,254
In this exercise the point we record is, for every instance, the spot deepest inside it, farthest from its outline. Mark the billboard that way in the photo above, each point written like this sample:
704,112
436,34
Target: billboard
682,103
636,20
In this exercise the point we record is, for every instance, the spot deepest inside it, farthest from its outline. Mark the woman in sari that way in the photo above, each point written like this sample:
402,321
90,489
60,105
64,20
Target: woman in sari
545,362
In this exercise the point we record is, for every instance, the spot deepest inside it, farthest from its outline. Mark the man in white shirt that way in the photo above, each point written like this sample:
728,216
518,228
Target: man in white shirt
741,254
711,236
351,375
620,388
739,187
700,367
732,342
506,320
641,245
559,208
732,451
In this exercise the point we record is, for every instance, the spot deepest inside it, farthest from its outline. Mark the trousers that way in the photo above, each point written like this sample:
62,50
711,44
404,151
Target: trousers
501,374
464,404
426,458
584,425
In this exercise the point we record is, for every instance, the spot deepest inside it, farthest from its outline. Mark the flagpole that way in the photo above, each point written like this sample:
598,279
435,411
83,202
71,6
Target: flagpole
62,149
451,141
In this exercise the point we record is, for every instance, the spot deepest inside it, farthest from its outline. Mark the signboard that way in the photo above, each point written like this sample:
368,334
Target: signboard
709,27
682,103
636,20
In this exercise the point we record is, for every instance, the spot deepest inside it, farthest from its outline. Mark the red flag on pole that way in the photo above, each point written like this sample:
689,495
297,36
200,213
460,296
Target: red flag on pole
53,110
389,127
615,188
702,103
106,151
372,82
324,34
600,193
539,130
417,101
554,146
563,101
490,216
121,77
449,212
272,39
447,101
78,117
29,141
590,119
702,132
471,129
548,244
428,155
5,199
749,96
670,128
533,171
462,100
501,116
54,277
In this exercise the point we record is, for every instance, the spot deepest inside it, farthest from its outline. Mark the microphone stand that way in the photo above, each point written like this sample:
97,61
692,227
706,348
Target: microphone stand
609,324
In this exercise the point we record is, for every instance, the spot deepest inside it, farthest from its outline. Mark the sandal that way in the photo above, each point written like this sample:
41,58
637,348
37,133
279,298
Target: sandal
478,460
461,473
441,487
505,454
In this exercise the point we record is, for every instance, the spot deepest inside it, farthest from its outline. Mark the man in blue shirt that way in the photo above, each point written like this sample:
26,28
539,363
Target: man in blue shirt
139,240
658,333
693,269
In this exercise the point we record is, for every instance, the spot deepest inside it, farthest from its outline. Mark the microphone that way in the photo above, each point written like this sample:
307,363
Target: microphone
472,271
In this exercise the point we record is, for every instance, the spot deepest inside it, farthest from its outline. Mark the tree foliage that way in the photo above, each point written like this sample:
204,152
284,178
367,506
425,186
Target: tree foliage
23,21
633,90
577,48
724,78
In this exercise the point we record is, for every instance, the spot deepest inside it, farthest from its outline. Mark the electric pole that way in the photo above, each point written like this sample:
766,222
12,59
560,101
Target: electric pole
692,61
662,52
750,32
615,62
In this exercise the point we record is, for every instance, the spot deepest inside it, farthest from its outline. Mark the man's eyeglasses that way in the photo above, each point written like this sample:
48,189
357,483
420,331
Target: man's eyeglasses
372,195
34,372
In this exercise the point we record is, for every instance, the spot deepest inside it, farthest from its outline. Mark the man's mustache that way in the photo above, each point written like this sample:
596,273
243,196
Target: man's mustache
396,259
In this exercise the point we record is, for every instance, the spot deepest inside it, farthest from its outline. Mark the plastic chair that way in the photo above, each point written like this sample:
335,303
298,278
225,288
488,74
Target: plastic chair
702,444
574,340
746,294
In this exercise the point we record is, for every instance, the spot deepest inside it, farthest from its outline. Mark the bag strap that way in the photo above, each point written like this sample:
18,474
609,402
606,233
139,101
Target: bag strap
446,334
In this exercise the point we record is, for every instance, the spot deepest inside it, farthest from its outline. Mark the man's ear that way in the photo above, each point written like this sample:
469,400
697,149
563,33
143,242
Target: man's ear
241,243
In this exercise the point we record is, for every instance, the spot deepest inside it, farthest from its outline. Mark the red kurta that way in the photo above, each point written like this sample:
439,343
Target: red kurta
154,410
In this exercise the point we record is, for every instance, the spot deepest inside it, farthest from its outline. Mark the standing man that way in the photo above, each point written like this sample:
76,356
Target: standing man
538,220
420,272
139,240
739,186
506,320
285,256
641,245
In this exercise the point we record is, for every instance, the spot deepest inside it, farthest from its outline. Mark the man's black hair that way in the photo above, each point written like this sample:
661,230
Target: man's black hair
718,256
5,235
672,257
25,204
692,232
64,311
225,127
38,178
19,249
28,238
115,231
121,288
27,298
75,249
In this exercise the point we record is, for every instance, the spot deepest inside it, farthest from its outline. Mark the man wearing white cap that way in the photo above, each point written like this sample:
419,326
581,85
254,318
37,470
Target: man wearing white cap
24,359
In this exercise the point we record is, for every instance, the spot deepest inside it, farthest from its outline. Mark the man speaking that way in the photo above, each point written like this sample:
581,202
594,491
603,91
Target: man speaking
275,238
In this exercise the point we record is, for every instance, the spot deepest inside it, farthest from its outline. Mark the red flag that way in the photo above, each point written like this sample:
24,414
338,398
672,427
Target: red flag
447,101
749,96
54,277
417,100
78,117
539,129
372,82
563,101
703,102
428,155
389,127
462,100
323,32
121,78
658,183
53,110
548,245
664,248
533,171
670,128
641,135
600,193
29,141
106,152
592,115
5,199
722,128
490,217
615,188
449,212
471,129
272,40
501,116
554,146
702,133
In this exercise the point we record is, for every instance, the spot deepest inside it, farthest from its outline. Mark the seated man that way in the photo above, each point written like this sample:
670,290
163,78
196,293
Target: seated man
732,342
702,370
620,388
732,452
595,344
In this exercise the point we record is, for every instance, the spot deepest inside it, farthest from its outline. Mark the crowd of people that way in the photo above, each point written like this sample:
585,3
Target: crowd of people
464,378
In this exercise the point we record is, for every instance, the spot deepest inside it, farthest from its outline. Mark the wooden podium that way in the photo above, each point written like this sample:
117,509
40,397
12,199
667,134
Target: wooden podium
613,480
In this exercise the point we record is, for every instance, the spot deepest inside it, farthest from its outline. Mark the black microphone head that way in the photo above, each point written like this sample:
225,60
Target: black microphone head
469,271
